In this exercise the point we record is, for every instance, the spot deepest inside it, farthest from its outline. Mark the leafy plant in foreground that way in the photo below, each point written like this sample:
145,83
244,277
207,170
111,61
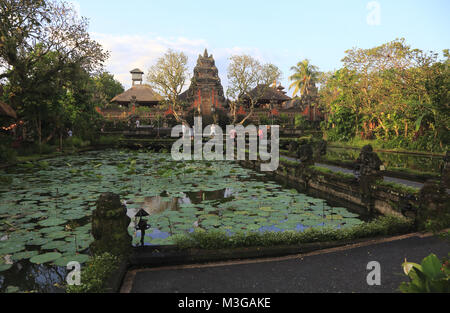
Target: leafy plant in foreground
95,274
430,276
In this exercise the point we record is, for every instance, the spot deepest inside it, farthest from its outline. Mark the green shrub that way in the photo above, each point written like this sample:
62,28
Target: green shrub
5,180
107,140
76,142
398,187
383,226
47,149
95,274
7,154
300,121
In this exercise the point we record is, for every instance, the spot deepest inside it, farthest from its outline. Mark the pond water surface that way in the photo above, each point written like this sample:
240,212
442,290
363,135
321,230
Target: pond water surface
45,212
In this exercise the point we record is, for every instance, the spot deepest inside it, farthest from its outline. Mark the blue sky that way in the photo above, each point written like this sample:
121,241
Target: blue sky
282,32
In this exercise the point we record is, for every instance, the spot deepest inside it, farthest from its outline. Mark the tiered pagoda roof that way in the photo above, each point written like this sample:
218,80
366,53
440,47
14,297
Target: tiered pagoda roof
205,80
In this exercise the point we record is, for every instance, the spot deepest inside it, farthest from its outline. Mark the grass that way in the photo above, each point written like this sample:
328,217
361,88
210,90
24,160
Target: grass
211,240
288,162
324,170
398,187
377,145
412,171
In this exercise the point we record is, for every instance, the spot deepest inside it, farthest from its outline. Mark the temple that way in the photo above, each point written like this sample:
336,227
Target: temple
205,96
205,92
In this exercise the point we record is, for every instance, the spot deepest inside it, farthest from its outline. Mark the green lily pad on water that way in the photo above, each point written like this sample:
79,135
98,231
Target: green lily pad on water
47,230
12,289
64,260
45,258
11,247
37,242
52,222
24,255
58,235
5,267
53,245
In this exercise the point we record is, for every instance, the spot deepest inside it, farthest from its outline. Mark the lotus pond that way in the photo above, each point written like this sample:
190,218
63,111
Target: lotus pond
45,210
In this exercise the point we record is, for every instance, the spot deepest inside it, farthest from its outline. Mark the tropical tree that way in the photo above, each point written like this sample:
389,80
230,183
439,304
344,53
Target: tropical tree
44,48
393,93
305,75
106,87
248,81
168,76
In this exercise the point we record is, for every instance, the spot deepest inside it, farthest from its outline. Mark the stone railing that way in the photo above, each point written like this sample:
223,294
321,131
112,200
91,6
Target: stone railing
150,113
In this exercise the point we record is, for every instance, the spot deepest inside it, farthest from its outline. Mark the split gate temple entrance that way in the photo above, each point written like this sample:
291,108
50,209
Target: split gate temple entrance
206,88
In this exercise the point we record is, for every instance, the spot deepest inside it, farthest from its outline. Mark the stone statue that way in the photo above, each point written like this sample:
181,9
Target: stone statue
305,153
368,162
322,147
293,146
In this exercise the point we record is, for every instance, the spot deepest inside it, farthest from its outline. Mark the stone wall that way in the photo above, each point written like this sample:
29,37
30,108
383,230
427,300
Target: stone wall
384,200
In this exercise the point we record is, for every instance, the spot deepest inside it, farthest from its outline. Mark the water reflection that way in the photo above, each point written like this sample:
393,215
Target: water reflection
159,204
33,277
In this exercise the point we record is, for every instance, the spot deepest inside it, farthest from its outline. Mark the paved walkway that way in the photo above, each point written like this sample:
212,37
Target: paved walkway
333,270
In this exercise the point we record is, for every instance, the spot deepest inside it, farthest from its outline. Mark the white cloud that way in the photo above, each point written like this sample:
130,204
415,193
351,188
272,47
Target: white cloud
142,51
131,51
374,16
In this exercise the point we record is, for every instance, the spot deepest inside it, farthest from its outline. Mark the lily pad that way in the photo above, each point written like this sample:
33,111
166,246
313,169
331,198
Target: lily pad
24,255
45,258
63,261
52,222
5,267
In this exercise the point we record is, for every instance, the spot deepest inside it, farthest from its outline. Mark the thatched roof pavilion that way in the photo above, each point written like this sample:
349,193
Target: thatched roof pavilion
143,94
139,93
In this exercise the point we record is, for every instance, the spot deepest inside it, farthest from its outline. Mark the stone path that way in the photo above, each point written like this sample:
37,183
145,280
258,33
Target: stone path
333,270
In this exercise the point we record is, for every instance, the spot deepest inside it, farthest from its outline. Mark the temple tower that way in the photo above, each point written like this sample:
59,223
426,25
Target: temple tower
206,88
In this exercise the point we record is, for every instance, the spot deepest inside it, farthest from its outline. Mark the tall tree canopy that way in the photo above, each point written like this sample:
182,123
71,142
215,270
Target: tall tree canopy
391,92
47,58
305,74
106,88
168,76
245,73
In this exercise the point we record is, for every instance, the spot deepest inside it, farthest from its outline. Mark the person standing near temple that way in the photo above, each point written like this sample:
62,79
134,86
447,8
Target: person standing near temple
213,131
232,133
183,130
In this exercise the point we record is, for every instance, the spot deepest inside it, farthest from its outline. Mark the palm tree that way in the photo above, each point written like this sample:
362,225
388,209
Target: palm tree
305,74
